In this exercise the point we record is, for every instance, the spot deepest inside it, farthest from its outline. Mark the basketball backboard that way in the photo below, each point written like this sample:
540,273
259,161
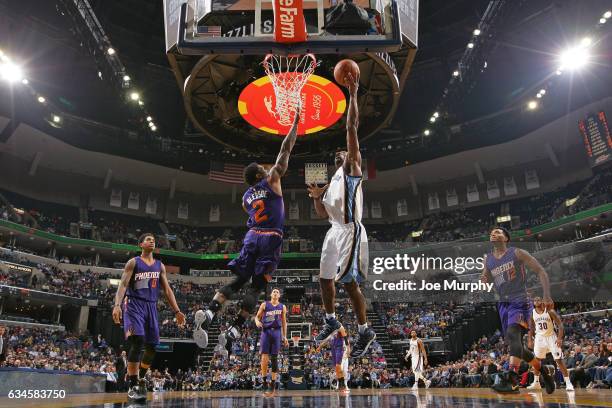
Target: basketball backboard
198,27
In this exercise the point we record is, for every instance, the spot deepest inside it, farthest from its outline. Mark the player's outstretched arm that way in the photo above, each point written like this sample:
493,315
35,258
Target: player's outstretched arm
165,286
423,353
353,158
123,285
316,193
282,160
535,266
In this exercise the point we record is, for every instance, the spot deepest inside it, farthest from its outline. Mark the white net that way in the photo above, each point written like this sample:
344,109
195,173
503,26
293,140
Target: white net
288,76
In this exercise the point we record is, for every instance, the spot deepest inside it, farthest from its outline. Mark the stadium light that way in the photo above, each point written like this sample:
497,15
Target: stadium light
25,81
608,14
436,115
539,95
603,20
149,118
470,45
41,99
532,105
559,72
432,119
586,42
110,51
154,128
455,73
543,91
134,96
10,72
476,32
56,119
574,58
427,132
140,103
126,78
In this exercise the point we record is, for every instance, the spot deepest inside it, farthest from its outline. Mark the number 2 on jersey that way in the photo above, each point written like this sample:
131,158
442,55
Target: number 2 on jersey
260,206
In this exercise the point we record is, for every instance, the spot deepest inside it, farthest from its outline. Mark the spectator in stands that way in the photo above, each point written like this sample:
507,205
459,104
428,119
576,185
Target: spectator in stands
3,344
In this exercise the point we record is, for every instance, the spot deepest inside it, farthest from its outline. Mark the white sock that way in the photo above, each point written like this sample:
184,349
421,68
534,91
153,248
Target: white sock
330,316
209,313
567,380
536,379
362,327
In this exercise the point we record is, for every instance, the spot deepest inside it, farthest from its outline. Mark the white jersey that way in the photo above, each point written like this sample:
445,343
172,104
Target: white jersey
544,325
343,199
415,355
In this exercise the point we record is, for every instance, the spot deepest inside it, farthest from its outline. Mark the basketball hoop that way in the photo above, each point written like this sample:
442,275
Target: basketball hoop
288,76
296,340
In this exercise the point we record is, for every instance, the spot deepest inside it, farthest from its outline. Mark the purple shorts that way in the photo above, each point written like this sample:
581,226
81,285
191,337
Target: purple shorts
260,253
140,319
337,352
514,313
270,341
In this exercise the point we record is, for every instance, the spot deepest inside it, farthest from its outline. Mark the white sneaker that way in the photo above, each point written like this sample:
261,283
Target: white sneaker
535,386
569,386
427,383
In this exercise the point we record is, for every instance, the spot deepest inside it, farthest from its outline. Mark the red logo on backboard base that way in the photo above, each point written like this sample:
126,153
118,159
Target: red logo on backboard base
323,103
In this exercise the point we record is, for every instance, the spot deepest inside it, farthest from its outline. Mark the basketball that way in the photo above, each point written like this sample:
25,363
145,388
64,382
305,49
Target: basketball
342,68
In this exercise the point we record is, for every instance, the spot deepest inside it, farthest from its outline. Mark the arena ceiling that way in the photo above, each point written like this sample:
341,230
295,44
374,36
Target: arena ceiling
519,59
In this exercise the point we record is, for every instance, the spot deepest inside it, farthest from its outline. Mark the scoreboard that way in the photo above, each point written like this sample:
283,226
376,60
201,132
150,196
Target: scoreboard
597,140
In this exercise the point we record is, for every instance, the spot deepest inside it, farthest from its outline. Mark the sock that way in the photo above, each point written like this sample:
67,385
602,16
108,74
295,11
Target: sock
133,380
362,327
567,380
329,316
536,378
214,307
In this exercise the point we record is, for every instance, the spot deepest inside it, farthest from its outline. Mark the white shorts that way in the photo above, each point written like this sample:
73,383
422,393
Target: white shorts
344,256
417,365
547,344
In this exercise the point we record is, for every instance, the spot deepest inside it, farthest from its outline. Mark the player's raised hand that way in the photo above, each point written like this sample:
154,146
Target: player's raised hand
315,191
352,83
180,319
117,314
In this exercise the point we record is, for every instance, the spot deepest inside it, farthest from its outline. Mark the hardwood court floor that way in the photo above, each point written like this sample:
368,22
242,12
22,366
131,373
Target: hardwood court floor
366,398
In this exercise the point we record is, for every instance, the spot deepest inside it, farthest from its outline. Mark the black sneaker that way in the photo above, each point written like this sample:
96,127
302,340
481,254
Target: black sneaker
201,322
508,383
330,328
265,387
137,394
364,340
548,375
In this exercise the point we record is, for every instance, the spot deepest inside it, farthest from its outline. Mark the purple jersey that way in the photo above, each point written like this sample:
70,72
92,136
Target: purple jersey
508,275
272,317
266,208
144,283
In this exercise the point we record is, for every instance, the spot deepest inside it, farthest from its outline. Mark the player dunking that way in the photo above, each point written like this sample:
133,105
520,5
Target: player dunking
272,319
142,280
542,322
505,267
340,351
344,257
261,250
417,354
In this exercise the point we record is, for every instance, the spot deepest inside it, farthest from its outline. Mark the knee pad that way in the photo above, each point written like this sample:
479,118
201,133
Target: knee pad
136,347
249,302
274,360
148,355
515,341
